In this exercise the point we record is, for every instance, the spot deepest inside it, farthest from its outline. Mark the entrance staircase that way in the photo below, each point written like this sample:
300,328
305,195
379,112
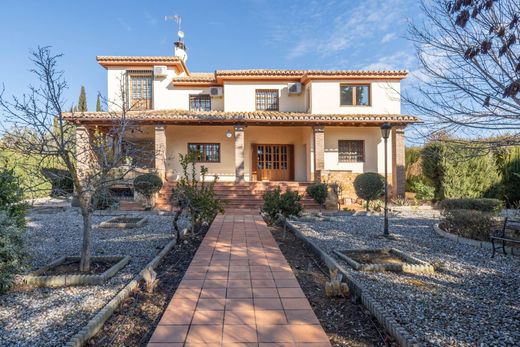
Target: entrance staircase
244,195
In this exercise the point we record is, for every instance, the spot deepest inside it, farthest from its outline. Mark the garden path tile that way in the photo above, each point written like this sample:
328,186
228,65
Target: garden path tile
239,290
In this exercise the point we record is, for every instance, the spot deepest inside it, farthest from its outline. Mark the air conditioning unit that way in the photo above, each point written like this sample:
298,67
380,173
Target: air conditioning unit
294,88
216,92
159,71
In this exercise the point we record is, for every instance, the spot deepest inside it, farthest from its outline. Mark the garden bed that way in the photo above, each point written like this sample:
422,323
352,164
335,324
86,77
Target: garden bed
346,323
51,316
448,307
124,222
64,271
133,323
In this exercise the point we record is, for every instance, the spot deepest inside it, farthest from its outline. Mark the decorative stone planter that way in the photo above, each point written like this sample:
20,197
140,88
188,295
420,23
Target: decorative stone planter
407,263
37,279
124,222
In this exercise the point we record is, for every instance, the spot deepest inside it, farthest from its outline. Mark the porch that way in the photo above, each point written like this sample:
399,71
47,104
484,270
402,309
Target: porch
273,153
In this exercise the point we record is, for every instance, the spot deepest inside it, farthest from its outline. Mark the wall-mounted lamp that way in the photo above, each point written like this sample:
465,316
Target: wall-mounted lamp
229,134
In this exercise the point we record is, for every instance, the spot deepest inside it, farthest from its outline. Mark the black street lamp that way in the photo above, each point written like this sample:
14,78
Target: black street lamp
385,133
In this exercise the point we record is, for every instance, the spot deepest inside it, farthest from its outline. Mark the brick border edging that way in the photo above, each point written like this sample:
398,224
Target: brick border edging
465,240
415,266
96,323
403,337
123,225
35,279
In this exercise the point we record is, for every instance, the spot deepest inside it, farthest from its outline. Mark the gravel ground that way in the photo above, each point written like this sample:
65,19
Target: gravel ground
49,317
471,300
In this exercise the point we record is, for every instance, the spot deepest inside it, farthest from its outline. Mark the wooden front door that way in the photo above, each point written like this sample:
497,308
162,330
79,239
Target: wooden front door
273,162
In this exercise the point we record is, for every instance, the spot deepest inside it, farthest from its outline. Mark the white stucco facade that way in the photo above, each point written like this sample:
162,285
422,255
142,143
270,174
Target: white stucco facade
319,96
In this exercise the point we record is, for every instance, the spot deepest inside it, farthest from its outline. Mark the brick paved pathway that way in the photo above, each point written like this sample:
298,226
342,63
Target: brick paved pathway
239,291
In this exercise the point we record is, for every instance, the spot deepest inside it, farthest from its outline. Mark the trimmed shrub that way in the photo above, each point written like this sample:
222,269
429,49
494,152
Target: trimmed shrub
12,254
103,199
288,203
472,224
319,192
147,185
60,179
11,197
459,171
369,186
482,205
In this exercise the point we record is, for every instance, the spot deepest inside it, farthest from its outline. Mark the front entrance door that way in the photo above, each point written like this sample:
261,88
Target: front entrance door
273,162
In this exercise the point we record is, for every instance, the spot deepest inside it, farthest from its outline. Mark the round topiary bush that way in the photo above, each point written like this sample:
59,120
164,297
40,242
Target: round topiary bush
369,186
147,185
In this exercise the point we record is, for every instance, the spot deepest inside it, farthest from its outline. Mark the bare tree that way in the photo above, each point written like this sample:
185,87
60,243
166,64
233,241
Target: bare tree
469,82
95,157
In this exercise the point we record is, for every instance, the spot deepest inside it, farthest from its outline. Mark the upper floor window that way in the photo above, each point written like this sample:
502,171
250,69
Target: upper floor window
267,100
140,89
354,95
205,152
351,151
200,102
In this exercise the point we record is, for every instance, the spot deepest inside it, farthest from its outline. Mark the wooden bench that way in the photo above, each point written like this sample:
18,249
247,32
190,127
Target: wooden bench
500,238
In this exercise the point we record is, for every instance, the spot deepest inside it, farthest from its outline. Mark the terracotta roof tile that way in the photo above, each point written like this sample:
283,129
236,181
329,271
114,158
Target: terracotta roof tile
180,116
151,59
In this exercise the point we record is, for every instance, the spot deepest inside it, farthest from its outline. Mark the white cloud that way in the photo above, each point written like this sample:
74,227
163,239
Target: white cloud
330,28
389,37
124,24
401,60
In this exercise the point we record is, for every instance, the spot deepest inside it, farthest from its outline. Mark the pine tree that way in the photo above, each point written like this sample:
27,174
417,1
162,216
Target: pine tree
82,101
98,104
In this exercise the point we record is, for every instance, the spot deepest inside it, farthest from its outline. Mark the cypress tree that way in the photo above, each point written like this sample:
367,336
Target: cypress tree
98,104
82,101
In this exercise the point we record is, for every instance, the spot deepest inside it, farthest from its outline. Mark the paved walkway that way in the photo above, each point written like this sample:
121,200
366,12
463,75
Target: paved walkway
239,291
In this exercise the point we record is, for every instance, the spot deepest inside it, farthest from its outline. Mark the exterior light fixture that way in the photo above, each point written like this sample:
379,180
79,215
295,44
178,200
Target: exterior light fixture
229,134
385,133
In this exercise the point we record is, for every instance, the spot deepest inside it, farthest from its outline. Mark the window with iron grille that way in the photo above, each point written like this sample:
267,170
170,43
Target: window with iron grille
200,102
267,100
351,151
205,152
140,89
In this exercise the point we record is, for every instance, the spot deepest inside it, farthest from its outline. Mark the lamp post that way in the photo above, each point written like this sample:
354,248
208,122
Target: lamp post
385,133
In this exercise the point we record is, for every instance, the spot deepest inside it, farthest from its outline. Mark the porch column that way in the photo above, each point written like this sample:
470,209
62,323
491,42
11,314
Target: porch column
239,153
398,162
160,150
319,151
84,153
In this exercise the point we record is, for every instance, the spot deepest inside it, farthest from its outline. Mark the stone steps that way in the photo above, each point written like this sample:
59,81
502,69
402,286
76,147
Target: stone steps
244,195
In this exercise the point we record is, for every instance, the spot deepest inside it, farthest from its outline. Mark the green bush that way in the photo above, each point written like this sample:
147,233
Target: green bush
288,203
508,163
369,186
102,199
11,197
61,181
319,192
459,170
472,224
12,254
148,184
482,205
422,190
196,197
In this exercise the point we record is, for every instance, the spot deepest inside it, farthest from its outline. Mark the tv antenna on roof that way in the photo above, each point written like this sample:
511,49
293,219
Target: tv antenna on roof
180,47
178,20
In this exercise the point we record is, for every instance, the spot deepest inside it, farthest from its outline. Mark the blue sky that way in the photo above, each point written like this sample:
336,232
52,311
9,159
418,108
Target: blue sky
327,34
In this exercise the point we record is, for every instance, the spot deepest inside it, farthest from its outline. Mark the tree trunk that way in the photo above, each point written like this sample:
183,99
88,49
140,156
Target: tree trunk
86,248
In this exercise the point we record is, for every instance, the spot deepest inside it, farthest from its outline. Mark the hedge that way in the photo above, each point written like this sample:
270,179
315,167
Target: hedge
482,205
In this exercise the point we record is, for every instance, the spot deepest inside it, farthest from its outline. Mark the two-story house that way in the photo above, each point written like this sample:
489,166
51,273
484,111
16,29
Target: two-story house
261,124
